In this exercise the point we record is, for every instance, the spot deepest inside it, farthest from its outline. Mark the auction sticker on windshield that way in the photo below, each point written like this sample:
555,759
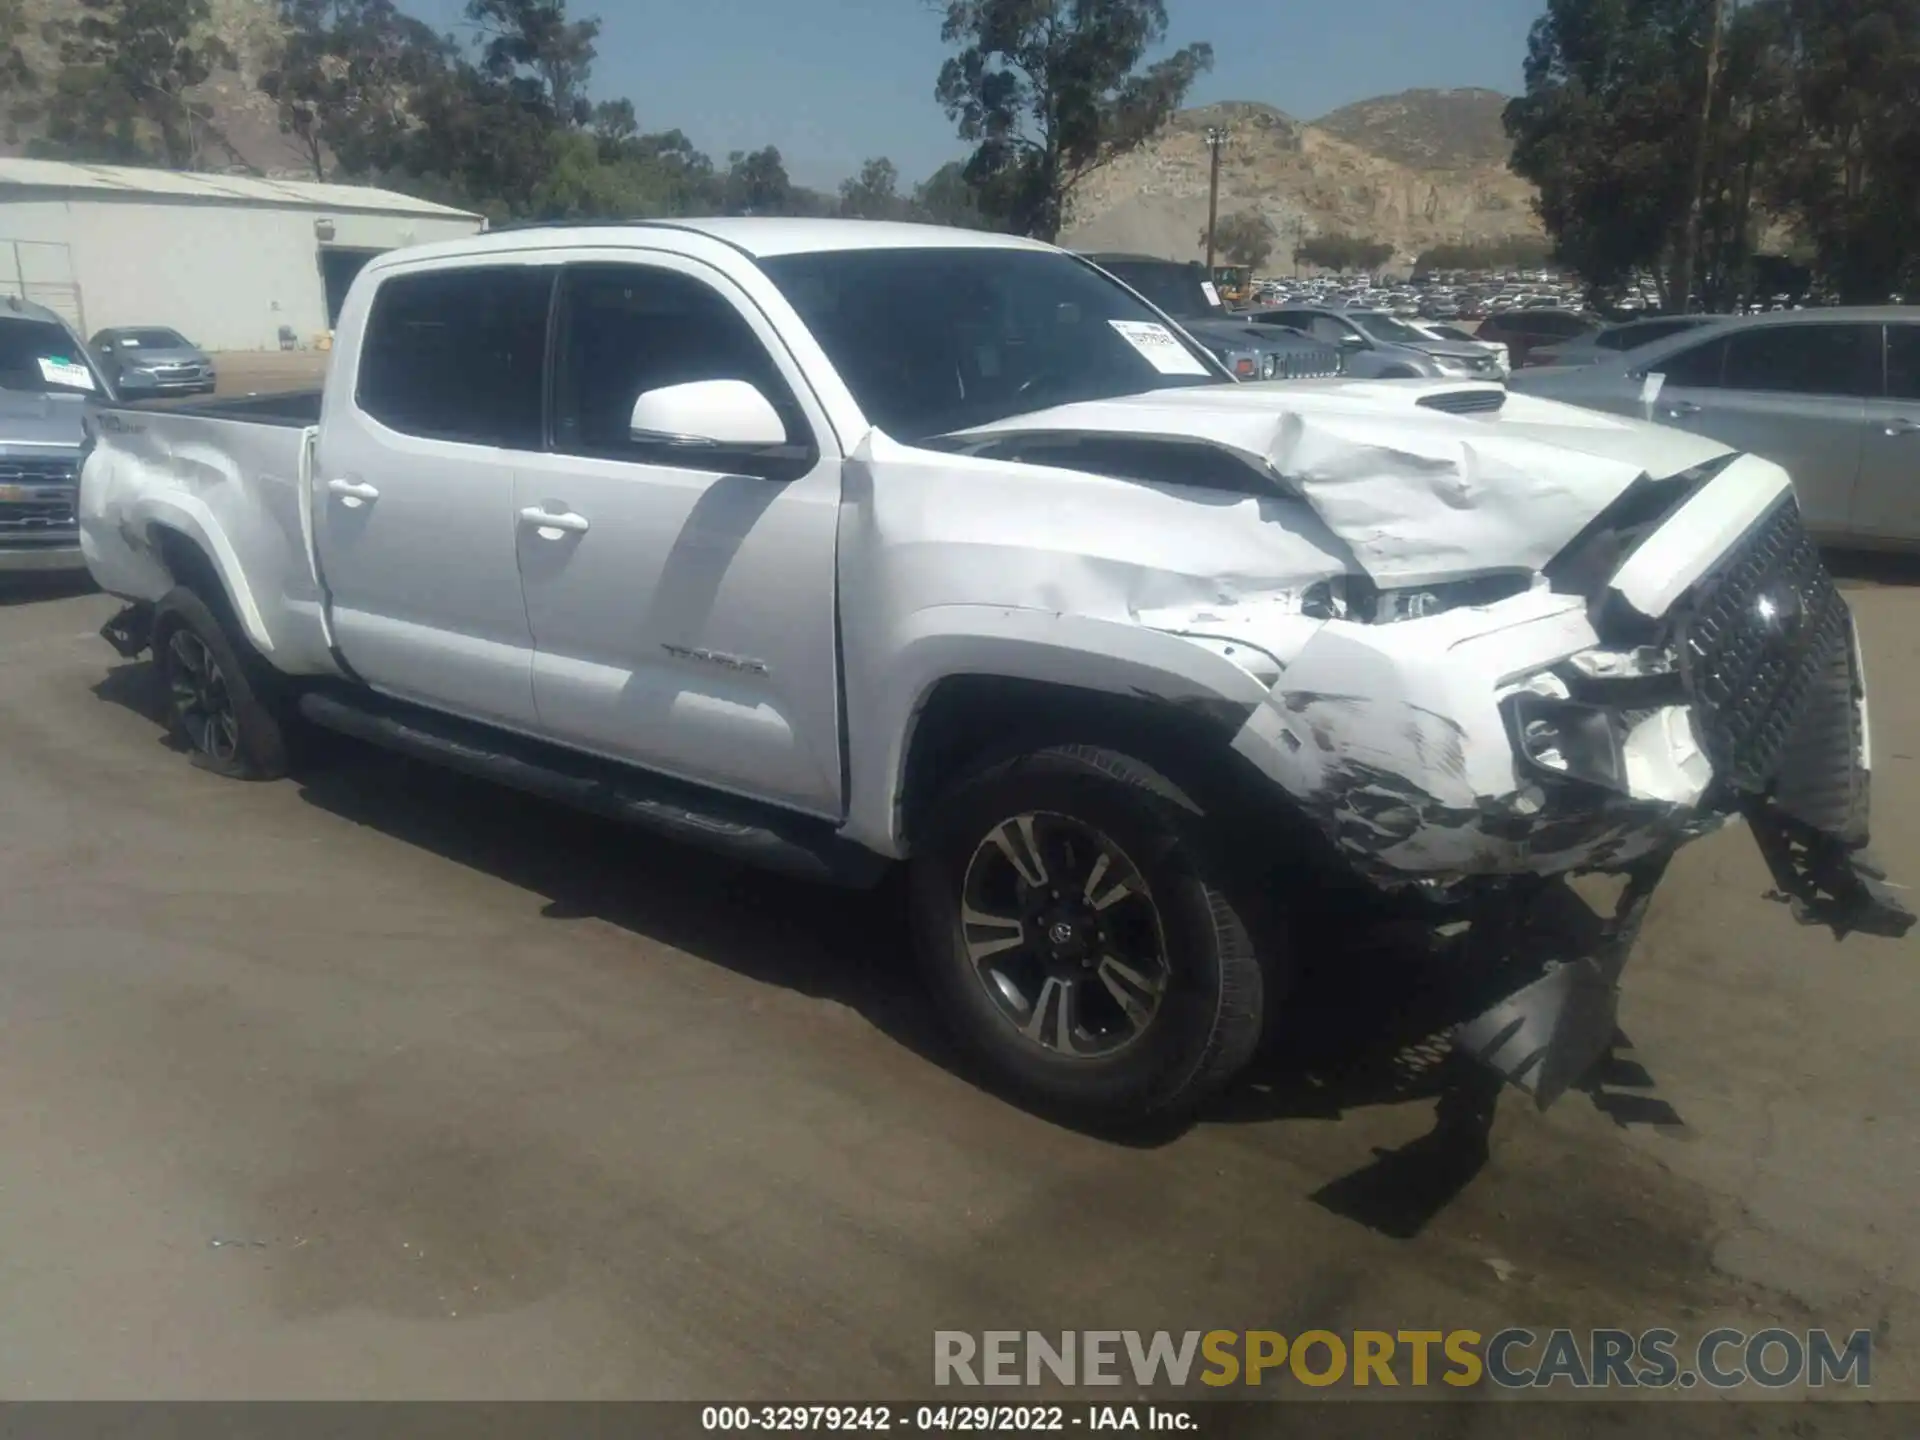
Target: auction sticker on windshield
65,372
1213,295
1156,343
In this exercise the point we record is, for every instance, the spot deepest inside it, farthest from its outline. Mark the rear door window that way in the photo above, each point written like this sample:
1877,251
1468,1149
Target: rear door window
1804,359
1699,367
459,355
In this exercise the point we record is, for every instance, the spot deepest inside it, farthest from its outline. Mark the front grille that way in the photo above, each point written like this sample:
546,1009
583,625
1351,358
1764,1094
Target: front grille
14,471
33,518
1755,644
1464,402
1305,367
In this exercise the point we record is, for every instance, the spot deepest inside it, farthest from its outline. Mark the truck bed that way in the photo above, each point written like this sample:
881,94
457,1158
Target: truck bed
297,408
230,479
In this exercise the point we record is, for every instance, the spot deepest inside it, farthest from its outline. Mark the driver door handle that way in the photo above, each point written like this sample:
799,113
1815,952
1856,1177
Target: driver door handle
353,491
564,522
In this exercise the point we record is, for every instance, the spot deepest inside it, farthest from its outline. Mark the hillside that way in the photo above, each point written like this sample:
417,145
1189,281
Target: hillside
1426,129
1307,179
238,129
1418,168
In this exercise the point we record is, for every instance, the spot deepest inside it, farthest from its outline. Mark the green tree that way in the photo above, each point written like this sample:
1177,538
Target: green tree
1343,252
1852,99
1604,129
946,198
756,183
873,194
1244,238
18,79
346,79
538,53
1047,91
1518,252
127,67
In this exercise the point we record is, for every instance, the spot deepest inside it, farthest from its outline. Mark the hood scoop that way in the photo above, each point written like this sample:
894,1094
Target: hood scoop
1482,401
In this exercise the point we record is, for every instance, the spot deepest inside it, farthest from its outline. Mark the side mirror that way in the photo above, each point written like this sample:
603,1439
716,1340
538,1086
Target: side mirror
707,414
1353,342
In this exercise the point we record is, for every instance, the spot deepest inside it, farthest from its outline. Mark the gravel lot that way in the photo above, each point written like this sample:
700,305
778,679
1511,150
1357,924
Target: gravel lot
384,1083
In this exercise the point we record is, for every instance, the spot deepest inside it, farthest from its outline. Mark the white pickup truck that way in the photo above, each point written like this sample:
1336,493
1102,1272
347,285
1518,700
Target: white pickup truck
834,545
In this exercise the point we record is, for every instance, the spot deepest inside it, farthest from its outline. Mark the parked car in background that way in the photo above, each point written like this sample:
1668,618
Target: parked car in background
1251,351
149,360
1523,330
1612,339
46,379
1833,395
1379,346
1454,335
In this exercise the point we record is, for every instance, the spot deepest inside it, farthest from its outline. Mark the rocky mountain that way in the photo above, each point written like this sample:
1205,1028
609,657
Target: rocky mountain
1426,129
1416,169
236,127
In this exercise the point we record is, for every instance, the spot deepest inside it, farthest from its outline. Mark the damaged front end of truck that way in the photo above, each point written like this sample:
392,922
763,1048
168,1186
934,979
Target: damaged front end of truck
1755,663
1726,690
1563,646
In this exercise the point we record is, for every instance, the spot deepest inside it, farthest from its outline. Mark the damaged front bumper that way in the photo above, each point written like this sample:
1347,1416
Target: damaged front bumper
1497,763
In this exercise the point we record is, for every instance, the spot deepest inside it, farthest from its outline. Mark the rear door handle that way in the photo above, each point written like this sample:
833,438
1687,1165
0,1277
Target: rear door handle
1900,425
564,522
353,492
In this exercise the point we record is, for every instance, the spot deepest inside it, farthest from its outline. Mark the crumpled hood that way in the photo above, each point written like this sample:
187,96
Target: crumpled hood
1416,494
38,420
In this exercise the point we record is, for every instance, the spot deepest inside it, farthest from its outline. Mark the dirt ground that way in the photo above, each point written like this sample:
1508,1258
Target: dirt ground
382,1083
262,372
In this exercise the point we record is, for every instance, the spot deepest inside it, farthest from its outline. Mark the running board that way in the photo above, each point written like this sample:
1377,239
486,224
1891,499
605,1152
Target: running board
761,836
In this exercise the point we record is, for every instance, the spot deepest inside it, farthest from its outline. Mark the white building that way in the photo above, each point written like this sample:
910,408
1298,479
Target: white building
231,262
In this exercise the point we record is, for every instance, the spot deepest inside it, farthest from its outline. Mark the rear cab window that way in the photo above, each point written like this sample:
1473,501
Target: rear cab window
459,354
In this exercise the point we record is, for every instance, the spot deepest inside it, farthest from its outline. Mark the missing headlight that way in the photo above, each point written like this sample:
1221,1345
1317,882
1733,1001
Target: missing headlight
1566,738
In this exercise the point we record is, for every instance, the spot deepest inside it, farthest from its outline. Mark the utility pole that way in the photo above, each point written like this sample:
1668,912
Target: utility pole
1690,236
1216,139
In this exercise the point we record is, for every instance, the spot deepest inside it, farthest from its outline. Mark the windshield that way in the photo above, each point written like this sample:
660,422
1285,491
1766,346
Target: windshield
1382,326
1180,290
39,357
937,340
152,340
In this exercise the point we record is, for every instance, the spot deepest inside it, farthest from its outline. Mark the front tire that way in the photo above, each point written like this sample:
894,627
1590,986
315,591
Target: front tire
1079,937
215,701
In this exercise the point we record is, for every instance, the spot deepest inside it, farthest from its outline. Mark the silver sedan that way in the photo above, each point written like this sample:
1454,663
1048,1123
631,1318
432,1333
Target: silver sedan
1833,395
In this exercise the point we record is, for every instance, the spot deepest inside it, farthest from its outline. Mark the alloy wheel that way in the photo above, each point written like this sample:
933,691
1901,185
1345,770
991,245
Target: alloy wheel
1063,933
202,704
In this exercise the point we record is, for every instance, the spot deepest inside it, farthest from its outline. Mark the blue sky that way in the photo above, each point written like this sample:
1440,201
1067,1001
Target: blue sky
833,81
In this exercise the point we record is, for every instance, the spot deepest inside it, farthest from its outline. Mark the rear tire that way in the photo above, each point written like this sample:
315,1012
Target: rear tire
1079,939
215,692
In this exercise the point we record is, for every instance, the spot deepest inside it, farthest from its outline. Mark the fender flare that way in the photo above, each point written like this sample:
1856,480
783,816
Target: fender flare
1076,653
188,516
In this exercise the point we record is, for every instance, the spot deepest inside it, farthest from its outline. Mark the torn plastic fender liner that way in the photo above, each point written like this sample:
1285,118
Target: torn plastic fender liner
1547,1035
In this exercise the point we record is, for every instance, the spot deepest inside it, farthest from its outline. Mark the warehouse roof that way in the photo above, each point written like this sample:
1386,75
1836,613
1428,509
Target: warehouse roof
233,189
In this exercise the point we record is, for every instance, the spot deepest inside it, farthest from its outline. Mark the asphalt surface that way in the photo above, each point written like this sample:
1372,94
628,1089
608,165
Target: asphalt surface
382,1083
